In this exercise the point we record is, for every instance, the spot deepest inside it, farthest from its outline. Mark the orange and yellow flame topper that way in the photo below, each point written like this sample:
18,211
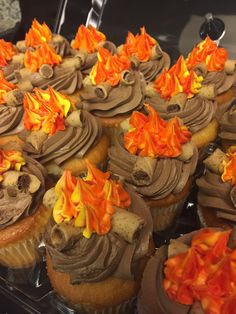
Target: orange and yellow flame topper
108,68
45,110
178,80
89,202
151,136
37,34
10,159
7,51
207,52
87,38
139,45
5,87
43,55
229,172
206,272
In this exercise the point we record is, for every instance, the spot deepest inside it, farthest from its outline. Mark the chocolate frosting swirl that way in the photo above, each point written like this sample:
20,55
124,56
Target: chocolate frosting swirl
66,80
60,45
152,298
121,99
228,123
215,193
73,141
10,119
168,173
152,68
22,203
221,80
197,112
9,71
95,259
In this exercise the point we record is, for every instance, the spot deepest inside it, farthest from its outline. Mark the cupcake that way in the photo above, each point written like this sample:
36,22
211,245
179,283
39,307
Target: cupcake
44,67
158,159
112,90
11,111
216,200
193,274
179,92
145,54
227,132
10,60
60,137
86,43
97,242
213,64
39,34
22,216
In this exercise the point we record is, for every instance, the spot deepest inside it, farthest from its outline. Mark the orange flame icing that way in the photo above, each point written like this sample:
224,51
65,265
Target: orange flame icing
108,68
5,87
88,38
229,173
208,53
152,136
139,45
10,159
7,51
37,34
43,55
205,273
89,202
45,110
178,80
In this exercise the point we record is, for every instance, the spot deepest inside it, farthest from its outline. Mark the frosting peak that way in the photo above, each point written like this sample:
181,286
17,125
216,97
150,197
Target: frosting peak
229,168
43,55
45,110
88,38
89,202
108,68
7,51
151,136
139,45
37,34
5,87
178,80
208,53
10,159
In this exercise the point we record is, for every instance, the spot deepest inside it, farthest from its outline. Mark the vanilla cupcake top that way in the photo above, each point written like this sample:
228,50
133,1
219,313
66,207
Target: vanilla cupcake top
54,130
112,87
22,185
156,156
211,61
179,92
38,34
100,227
145,54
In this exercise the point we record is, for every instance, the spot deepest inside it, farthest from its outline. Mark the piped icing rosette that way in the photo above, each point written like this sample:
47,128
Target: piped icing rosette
213,64
54,132
99,229
193,274
145,54
157,157
112,87
217,186
228,125
22,186
11,109
39,34
179,92
10,60
86,43
44,67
